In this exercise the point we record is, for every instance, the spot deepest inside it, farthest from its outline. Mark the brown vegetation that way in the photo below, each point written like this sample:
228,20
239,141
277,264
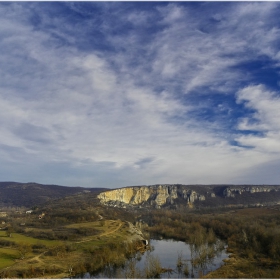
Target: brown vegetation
252,235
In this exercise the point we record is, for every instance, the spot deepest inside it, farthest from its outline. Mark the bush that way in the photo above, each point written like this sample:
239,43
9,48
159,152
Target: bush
6,243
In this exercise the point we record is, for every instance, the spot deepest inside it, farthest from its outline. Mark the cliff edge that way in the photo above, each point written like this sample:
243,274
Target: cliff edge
163,195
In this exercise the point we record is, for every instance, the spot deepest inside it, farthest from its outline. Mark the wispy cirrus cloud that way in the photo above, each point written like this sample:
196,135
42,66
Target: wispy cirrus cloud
113,94
265,106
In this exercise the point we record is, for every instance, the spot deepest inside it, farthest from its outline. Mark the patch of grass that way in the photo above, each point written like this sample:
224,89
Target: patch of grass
38,229
84,225
7,257
86,252
20,238
103,229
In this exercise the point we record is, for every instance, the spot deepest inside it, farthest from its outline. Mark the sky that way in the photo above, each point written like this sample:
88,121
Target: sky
115,94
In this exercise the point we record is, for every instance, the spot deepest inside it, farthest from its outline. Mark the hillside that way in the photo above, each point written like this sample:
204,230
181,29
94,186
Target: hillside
31,194
14,194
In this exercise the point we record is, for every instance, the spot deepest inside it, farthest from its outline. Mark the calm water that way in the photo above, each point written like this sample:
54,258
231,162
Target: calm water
196,261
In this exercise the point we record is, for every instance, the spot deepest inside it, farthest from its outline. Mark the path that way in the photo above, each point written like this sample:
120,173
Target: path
38,259
104,233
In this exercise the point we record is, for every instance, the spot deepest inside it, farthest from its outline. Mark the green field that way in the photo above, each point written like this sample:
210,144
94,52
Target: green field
20,238
7,257
84,225
23,258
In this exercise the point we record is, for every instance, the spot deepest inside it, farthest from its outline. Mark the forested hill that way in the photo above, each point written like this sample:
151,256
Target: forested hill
33,194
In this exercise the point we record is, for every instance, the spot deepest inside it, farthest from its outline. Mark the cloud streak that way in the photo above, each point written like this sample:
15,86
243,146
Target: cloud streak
115,94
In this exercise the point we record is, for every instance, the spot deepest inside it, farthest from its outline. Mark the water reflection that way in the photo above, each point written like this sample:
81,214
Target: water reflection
168,259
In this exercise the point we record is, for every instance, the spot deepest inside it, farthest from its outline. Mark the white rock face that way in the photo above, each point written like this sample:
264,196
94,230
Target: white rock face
162,195
141,195
232,191
158,195
123,195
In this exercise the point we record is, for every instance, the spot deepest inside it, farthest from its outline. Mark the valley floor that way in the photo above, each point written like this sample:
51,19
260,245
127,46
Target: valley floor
31,257
76,237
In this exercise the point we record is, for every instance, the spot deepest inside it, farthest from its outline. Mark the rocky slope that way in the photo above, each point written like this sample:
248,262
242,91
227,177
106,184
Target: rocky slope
205,195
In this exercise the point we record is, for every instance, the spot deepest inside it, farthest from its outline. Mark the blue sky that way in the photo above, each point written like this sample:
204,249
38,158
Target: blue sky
111,94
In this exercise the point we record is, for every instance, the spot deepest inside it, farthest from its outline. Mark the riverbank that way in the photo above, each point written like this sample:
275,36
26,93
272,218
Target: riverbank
165,258
251,234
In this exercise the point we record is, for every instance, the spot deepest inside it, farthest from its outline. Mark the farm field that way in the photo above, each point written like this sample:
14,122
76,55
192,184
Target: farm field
33,257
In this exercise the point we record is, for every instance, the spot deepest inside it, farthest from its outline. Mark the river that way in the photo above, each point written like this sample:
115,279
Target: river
179,259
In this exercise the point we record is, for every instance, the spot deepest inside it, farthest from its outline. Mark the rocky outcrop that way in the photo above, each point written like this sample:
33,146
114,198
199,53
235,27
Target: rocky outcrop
123,195
171,195
232,191
157,195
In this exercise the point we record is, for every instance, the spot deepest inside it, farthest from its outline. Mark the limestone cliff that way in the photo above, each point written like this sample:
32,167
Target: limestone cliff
156,195
136,195
232,191
208,195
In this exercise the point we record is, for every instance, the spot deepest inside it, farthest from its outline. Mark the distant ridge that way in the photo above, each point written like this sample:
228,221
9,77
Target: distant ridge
30,194
15,194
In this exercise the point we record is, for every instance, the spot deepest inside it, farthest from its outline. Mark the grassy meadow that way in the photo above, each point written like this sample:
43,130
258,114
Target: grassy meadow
29,257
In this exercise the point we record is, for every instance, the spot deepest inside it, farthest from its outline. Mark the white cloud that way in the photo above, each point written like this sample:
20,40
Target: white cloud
266,105
108,117
265,118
